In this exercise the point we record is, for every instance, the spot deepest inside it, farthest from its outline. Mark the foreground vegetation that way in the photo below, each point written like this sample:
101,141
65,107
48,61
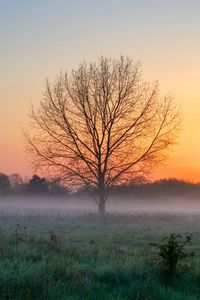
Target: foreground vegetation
81,257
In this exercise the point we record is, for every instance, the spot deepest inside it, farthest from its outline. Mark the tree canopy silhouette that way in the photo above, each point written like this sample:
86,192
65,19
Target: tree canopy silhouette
100,125
37,185
4,184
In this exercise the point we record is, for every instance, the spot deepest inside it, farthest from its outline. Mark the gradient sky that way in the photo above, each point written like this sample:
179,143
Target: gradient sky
41,37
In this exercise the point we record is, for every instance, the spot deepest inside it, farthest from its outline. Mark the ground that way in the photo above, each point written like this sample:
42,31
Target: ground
63,257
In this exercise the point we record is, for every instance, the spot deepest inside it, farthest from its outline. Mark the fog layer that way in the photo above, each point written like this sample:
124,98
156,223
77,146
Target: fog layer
76,206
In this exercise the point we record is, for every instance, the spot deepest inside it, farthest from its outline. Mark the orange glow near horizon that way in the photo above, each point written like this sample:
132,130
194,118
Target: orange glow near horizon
183,161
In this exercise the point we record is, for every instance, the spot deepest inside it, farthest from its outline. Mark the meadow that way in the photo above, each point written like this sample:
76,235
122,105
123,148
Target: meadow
58,256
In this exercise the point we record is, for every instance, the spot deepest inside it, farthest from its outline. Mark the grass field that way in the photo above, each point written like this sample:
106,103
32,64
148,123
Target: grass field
65,257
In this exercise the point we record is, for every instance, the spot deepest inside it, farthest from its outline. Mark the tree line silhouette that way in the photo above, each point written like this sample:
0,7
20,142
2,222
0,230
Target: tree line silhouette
140,187
35,186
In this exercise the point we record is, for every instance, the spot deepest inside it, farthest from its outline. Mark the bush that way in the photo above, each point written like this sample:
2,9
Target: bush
171,252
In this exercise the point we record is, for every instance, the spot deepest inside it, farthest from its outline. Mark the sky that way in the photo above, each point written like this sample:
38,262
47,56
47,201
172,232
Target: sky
38,39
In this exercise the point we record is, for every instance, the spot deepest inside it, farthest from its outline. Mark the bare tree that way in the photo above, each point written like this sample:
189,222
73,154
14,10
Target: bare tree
15,180
102,125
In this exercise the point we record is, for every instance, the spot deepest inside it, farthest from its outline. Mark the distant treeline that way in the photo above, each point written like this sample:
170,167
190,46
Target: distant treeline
15,185
158,189
162,188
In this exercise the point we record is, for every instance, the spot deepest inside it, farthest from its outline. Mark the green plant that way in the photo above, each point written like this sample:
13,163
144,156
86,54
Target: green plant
26,293
17,237
172,252
54,242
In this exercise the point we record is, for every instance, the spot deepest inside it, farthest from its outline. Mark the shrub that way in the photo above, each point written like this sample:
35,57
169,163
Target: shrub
171,252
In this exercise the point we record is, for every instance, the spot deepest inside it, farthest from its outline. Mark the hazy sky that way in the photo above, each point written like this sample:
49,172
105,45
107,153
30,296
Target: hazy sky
40,38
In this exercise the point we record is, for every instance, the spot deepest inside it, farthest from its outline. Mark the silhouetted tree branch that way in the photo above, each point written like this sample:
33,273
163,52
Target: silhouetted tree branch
102,125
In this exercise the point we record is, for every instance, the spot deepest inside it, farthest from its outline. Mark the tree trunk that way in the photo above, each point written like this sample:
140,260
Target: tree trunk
102,203
102,208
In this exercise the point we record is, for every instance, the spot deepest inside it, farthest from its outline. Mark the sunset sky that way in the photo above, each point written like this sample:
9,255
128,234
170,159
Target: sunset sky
38,39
